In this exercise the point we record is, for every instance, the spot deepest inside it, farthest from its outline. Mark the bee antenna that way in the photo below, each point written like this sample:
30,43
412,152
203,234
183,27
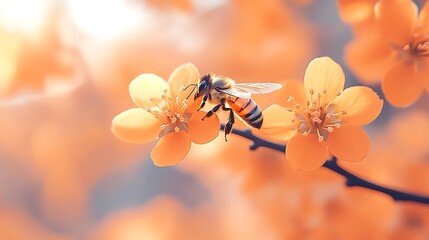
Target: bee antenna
193,85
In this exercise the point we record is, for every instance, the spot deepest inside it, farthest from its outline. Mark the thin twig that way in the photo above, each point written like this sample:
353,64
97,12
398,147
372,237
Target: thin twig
351,180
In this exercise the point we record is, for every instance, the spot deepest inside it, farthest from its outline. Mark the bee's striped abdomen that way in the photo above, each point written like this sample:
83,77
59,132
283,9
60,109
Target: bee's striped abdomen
246,109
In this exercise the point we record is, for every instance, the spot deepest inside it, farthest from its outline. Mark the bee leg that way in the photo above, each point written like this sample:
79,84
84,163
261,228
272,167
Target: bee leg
211,112
203,103
230,123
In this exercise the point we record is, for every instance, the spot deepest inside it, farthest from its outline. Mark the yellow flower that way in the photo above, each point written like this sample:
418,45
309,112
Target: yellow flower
320,118
168,112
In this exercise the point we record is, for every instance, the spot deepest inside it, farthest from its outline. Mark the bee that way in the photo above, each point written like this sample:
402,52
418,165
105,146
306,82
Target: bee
221,90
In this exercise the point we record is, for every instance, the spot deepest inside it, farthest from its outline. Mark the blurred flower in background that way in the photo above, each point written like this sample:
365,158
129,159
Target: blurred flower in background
65,69
393,46
34,58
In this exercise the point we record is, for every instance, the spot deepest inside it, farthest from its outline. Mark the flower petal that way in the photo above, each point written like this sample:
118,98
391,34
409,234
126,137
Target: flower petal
136,125
369,58
306,153
402,84
296,91
171,149
277,123
194,105
349,143
362,105
396,20
352,11
184,75
324,74
423,20
147,86
412,137
202,132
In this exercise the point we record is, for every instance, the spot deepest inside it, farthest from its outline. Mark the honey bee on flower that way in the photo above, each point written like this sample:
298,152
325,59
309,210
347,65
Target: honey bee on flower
319,118
223,90
165,111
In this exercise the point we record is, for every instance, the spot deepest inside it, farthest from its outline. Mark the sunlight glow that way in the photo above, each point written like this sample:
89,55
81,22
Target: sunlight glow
8,58
208,5
103,19
23,15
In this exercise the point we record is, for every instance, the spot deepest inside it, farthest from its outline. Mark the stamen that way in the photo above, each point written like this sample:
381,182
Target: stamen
290,99
183,108
316,120
418,45
166,97
171,111
316,113
181,89
320,138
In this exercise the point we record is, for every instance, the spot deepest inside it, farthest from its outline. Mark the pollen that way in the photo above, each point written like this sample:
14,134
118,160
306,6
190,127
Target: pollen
418,46
317,116
171,112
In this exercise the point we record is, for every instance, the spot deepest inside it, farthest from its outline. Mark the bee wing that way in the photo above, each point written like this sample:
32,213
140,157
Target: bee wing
258,88
236,93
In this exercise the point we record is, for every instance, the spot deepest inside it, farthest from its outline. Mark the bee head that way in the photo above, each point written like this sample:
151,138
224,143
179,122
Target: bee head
203,86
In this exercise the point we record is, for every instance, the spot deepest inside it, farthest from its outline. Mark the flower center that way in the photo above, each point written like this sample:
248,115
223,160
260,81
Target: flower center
316,117
419,46
171,111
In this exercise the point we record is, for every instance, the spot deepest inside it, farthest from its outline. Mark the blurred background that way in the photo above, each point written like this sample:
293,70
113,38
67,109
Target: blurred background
65,66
